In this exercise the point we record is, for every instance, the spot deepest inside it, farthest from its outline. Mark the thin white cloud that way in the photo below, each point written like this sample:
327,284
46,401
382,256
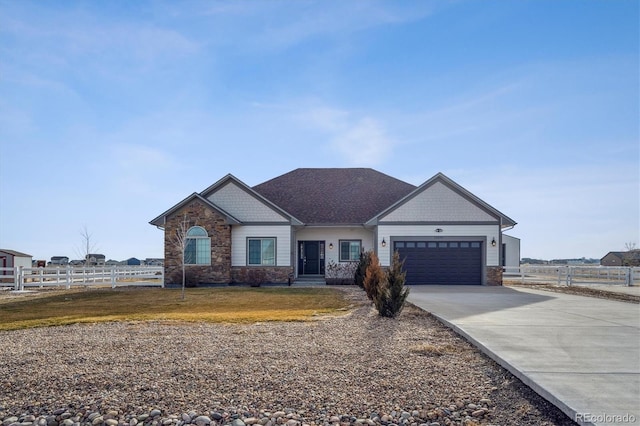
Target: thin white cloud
363,143
358,141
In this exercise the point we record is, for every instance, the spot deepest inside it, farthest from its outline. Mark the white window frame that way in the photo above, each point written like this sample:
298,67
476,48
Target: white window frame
202,243
263,261
351,242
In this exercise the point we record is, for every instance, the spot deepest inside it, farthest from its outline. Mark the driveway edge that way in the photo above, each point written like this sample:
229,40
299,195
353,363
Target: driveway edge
540,390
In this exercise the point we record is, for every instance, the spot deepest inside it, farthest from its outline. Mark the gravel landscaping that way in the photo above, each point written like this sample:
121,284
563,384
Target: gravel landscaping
354,369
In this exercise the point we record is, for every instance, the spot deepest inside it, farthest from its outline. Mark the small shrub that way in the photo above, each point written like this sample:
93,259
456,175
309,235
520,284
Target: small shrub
191,278
361,269
340,273
374,278
392,293
256,277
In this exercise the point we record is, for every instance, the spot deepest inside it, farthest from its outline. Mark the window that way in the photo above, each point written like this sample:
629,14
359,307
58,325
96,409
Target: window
261,251
198,247
350,250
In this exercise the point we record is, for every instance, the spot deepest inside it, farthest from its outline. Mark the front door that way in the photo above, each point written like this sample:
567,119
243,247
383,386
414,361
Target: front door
311,258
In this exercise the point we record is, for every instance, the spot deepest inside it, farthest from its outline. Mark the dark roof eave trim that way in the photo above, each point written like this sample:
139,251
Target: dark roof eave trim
435,223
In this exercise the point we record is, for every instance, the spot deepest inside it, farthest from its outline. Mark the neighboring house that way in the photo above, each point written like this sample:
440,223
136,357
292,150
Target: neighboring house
93,259
12,258
132,261
151,261
59,261
295,224
621,258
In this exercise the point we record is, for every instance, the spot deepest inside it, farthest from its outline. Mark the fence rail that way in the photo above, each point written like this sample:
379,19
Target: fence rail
573,275
19,277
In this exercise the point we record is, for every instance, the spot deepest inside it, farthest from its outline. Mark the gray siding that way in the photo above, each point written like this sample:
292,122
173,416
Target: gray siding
438,203
243,206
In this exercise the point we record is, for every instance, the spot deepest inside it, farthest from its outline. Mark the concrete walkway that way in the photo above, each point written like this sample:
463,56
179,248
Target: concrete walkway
580,353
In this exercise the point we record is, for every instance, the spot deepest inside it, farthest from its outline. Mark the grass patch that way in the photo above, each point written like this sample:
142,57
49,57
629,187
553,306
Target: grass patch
222,304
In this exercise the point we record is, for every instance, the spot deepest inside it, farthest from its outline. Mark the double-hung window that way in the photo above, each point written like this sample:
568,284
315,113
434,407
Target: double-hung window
197,247
261,251
350,250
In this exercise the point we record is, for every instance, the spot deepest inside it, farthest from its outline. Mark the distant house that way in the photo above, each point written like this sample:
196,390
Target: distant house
621,258
12,258
153,261
59,261
132,261
112,262
94,259
297,224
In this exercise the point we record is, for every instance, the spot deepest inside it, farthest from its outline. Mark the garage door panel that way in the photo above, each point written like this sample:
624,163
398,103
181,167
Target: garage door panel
441,262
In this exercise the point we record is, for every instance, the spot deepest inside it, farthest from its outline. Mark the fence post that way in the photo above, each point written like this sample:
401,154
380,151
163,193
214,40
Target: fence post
628,277
162,277
113,277
41,277
20,273
69,276
16,278
569,271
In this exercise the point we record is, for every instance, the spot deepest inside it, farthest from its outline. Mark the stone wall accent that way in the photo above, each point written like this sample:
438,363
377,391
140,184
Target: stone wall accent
494,275
261,274
198,214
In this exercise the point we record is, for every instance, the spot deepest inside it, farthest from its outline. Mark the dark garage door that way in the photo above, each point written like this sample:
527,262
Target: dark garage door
441,262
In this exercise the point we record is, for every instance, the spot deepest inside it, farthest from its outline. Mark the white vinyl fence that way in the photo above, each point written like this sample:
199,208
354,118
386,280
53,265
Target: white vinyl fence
20,278
573,275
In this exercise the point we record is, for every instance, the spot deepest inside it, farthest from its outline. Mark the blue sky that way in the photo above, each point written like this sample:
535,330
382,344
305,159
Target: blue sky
111,112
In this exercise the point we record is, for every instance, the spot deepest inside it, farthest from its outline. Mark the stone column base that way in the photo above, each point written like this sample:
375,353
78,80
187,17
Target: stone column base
494,275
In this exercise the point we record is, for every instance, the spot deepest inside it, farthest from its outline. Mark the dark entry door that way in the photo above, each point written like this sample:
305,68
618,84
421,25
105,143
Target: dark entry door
311,258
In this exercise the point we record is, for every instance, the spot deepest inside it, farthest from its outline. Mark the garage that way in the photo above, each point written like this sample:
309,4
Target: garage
441,262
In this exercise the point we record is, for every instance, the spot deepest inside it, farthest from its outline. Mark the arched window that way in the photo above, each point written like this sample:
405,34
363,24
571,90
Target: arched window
198,248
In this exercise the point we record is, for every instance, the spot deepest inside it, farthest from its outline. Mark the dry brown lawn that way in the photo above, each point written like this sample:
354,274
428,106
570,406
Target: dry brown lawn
219,304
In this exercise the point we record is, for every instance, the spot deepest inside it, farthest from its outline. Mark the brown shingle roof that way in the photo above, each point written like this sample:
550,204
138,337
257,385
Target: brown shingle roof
334,196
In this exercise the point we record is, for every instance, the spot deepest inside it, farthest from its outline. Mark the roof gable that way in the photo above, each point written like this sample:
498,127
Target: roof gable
440,199
244,203
161,219
334,195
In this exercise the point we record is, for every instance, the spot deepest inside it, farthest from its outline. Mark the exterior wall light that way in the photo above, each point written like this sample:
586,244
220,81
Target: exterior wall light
493,242
438,230
330,246
384,243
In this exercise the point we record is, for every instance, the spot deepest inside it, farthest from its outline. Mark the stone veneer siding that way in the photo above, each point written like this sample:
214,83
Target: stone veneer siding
198,214
262,274
494,275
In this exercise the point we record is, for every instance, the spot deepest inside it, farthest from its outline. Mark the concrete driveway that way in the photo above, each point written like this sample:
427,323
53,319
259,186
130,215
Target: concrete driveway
580,353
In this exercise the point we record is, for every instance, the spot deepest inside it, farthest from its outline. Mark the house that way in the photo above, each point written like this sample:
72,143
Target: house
59,261
621,258
132,261
294,225
12,258
93,259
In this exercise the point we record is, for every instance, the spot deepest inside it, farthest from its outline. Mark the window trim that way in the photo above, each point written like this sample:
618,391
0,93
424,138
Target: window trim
195,239
340,259
262,239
